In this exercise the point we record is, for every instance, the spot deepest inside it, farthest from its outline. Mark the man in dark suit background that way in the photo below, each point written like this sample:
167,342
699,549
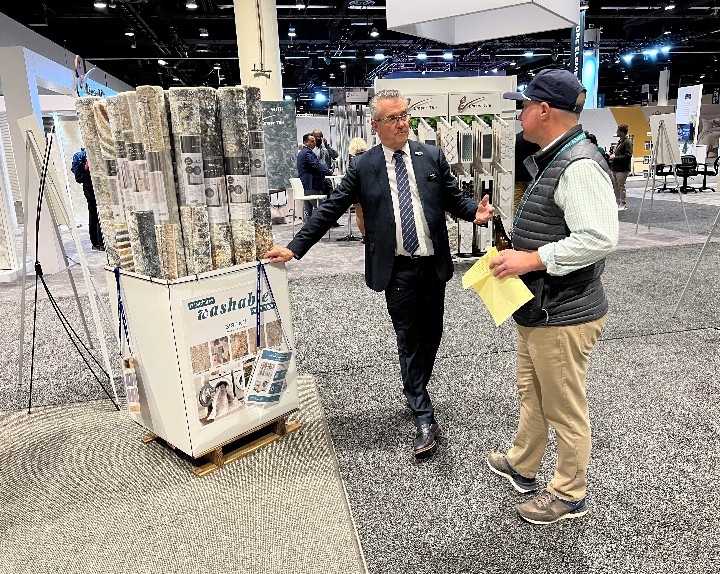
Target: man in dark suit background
404,189
311,172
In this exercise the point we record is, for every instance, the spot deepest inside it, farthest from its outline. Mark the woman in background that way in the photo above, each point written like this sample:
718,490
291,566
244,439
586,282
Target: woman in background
357,147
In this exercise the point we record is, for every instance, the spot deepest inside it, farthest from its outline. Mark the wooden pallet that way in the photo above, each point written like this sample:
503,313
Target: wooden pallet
238,447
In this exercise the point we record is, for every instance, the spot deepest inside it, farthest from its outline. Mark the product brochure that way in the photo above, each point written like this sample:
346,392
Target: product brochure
267,381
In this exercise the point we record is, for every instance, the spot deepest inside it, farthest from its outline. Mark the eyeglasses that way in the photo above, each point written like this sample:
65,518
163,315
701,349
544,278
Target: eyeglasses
395,119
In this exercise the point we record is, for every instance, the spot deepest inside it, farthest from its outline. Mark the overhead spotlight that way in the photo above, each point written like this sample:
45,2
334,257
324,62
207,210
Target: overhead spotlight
100,5
587,52
216,67
320,98
448,55
627,58
374,32
204,33
300,5
421,56
291,31
528,53
190,5
379,55
513,64
494,70
665,49
134,44
162,62
670,6
343,66
129,33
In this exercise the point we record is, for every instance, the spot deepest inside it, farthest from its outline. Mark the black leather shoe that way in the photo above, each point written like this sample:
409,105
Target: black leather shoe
425,438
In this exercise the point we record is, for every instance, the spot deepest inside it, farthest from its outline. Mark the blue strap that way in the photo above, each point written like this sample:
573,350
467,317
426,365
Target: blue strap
122,319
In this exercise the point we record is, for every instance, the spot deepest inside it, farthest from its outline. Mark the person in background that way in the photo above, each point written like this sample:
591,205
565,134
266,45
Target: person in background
325,154
81,171
593,139
563,231
407,253
523,150
311,172
620,164
357,147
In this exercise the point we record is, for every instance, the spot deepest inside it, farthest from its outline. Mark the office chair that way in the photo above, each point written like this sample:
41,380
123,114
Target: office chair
688,168
706,169
664,170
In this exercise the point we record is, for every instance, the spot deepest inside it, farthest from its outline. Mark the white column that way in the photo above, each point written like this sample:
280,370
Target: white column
663,87
259,47
19,85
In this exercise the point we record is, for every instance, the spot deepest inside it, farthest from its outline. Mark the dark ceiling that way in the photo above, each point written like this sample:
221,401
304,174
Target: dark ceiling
332,34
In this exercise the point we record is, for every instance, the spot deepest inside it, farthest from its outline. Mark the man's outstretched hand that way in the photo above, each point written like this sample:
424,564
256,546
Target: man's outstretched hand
484,211
279,254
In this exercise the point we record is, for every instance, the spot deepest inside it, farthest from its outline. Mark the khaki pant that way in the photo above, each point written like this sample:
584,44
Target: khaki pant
619,179
551,369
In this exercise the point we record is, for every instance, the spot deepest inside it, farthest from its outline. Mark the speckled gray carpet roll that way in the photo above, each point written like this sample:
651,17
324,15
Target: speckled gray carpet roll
155,139
123,247
171,250
232,104
141,229
258,174
196,238
136,152
214,180
185,120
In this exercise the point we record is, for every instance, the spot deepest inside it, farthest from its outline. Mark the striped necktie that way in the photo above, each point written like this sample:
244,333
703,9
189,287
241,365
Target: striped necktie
407,217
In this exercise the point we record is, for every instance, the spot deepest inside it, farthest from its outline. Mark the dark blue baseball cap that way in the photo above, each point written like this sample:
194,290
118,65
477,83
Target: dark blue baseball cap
559,88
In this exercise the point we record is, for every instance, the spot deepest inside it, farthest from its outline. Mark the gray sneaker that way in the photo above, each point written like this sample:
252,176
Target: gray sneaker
547,508
499,465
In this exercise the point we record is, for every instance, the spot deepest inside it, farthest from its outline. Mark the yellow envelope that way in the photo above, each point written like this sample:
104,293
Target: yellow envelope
502,297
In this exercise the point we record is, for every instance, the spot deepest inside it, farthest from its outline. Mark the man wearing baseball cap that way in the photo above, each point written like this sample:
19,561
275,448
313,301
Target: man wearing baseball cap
564,227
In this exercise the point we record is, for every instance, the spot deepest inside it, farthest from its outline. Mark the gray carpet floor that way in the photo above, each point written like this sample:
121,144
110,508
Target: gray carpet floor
653,389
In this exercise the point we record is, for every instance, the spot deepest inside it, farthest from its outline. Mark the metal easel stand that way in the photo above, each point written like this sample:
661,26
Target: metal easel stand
663,139
39,276
697,264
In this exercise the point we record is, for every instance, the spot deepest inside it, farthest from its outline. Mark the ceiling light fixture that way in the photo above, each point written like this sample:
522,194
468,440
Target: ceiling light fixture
448,55
190,5
343,66
627,58
204,33
100,5
669,6
300,5
216,67
421,56
665,49
162,62
374,32
379,55
528,53
291,31
129,33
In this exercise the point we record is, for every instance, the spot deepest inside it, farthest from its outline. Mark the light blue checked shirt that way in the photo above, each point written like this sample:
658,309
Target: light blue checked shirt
585,194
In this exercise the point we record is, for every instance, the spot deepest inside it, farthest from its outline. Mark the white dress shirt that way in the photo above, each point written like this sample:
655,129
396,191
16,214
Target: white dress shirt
421,225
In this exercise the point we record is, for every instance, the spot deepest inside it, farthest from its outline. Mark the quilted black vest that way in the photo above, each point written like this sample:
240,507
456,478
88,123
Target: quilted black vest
577,297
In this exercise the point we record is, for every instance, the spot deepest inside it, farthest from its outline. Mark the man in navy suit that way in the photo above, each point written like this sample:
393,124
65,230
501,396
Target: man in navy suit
404,189
311,172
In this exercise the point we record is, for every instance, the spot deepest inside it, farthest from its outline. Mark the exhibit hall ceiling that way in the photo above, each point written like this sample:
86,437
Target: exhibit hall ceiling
325,43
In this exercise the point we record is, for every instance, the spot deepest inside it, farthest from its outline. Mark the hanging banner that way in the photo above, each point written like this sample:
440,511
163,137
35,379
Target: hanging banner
475,104
280,148
577,42
688,103
356,96
427,105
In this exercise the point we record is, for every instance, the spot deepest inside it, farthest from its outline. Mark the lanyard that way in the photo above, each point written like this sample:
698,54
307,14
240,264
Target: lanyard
122,320
260,273
528,191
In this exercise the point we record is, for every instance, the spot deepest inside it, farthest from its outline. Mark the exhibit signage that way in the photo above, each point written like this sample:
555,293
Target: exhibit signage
356,96
475,104
221,343
280,148
427,105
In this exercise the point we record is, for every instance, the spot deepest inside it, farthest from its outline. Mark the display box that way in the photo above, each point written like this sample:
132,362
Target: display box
194,340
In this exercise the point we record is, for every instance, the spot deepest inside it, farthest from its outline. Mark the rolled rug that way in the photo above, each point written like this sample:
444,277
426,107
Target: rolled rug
141,229
88,131
107,224
155,139
185,121
120,128
122,244
214,180
196,238
171,250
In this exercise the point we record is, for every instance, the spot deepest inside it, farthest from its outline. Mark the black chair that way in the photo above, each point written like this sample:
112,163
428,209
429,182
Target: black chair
664,170
688,168
706,169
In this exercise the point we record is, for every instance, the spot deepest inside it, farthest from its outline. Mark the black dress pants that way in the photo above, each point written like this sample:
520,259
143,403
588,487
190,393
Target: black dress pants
415,299
96,237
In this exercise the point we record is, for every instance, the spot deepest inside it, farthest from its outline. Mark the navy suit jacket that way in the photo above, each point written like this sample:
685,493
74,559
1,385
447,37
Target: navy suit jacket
310,171
367,183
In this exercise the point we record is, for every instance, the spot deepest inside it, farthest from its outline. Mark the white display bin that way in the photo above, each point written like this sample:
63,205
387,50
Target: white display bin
192,333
